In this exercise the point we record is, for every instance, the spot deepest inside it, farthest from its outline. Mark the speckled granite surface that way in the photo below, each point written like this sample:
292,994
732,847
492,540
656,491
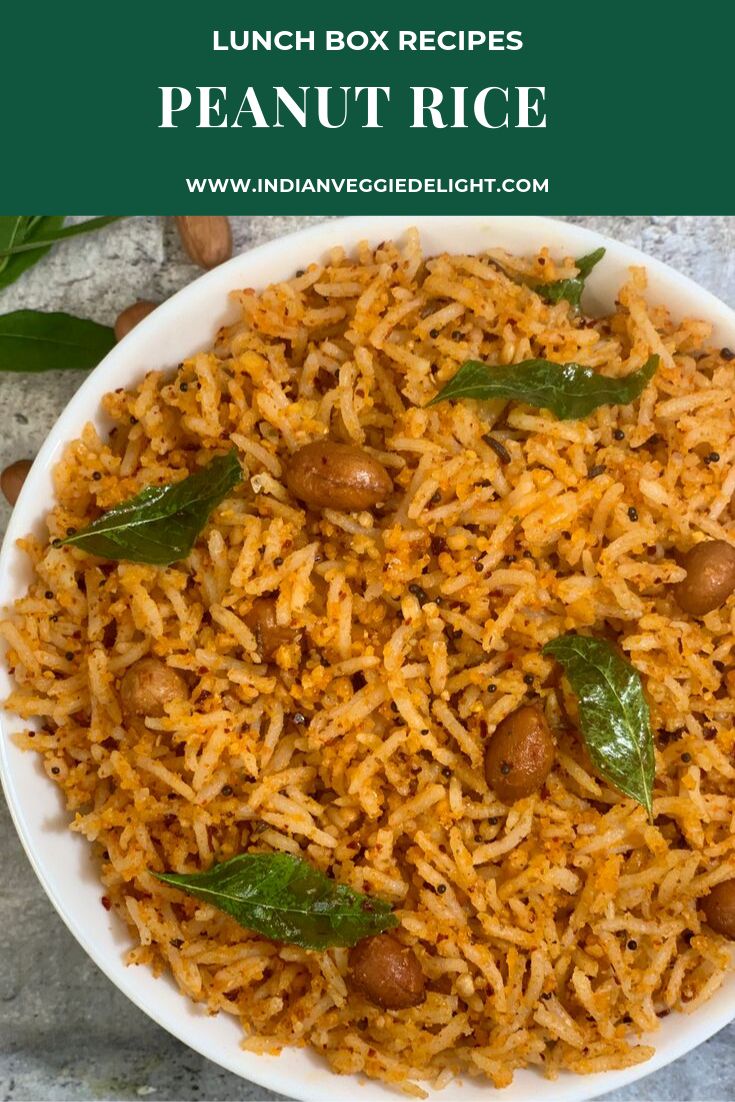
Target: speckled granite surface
65,1032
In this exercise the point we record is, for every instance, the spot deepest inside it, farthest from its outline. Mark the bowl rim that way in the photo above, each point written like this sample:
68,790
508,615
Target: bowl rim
274,1074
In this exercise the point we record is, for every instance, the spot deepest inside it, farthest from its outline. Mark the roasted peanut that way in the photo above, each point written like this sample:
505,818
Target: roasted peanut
387,973
131,315
148,686
207,239
519,755
719,908
269,635
710,579
13,477
327,475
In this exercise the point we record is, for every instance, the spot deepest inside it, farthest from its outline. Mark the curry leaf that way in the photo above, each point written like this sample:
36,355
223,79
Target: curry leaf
11,267
569,289
285,898
48,235
613,712
34,341
161,523
585,264
12,229
568,390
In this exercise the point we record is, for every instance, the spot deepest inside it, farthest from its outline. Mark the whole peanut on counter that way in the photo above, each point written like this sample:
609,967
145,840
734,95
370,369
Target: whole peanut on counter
206,238
131,315
12,479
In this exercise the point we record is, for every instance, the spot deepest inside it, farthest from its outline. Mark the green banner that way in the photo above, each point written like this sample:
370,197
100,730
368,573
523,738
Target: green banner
542,107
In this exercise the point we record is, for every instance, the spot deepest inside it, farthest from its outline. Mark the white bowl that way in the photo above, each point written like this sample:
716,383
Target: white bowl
62,860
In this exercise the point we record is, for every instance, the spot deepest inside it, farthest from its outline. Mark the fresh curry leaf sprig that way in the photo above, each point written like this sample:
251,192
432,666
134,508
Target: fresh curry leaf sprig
14,229
570,289
26,238
161,523
568,390
285,898
38,232
26,229
613,712
31,340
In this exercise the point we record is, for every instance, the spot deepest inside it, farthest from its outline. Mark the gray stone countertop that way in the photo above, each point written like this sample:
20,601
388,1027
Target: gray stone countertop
65,1032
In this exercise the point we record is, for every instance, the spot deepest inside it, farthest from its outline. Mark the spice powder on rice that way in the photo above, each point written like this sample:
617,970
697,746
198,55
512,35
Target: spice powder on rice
345,718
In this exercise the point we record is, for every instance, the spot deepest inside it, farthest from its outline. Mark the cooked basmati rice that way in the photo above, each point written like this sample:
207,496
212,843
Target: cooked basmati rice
568,925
